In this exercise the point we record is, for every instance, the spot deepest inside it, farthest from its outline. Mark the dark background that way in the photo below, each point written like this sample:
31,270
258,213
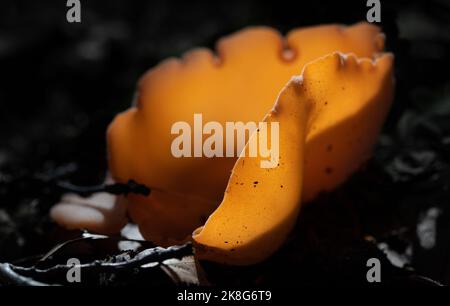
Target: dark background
61,84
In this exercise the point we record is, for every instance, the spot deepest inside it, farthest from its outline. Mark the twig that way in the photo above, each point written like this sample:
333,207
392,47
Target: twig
11,274
116,188
88,236
56,179
9,277
157,254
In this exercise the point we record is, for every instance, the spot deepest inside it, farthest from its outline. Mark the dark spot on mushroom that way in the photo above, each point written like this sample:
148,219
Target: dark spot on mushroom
328,170
329,148
226,241
281,186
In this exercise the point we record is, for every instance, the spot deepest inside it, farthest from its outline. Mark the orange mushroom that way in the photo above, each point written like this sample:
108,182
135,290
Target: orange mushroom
313,112
241,85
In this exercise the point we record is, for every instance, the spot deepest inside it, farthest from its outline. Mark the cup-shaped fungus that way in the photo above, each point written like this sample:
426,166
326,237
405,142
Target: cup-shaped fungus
313,112
329,119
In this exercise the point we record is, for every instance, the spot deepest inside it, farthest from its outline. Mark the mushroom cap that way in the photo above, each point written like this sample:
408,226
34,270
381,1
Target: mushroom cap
313,112
240,83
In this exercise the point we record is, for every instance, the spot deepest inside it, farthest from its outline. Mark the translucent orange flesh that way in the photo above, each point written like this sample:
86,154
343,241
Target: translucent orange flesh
334,110
240,84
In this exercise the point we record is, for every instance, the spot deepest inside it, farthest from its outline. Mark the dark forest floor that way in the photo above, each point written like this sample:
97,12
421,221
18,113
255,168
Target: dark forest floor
61,84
